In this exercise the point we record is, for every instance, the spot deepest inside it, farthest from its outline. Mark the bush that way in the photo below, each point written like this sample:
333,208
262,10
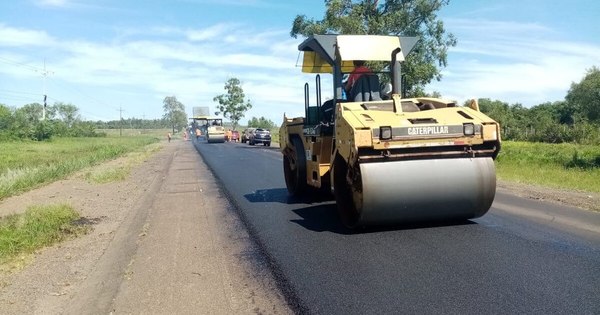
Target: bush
584,163
84,129
43,131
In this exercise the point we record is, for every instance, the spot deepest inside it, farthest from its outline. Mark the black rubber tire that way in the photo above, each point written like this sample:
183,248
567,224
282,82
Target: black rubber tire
344,194
268,144
295,170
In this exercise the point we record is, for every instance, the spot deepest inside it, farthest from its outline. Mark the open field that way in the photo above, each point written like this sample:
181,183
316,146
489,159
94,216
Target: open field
26,165
565,165
158,133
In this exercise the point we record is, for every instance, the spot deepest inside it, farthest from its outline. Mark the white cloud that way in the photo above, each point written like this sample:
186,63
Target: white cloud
210,32
13,37
53,3
140,68
245,3
513,62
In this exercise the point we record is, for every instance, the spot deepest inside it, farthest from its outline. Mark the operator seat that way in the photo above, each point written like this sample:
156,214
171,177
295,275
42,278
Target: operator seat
426,106
327,111
365,89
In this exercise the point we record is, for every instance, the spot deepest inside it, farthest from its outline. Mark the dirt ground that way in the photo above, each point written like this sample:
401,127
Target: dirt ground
584,200
165,240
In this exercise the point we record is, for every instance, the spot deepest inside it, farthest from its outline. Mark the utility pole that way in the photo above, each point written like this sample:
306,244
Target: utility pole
45,74
120,121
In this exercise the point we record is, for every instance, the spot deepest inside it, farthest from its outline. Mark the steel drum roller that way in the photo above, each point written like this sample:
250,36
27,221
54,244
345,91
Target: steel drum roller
425,190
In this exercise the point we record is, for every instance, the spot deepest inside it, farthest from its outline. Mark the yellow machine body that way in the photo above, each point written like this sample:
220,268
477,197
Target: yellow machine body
389,161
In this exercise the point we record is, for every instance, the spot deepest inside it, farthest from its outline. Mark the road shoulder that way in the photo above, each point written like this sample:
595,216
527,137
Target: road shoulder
225,273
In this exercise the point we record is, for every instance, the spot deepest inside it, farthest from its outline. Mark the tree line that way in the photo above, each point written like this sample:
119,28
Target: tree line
62,120
133,123
26,123
575,119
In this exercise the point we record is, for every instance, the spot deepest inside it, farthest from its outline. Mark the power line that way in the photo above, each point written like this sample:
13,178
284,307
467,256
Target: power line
96,116
46,73
43,71
89,97
19,92
19,64
18,98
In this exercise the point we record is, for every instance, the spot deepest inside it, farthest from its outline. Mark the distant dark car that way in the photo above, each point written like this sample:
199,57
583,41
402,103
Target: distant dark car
235,136
260,135
246,134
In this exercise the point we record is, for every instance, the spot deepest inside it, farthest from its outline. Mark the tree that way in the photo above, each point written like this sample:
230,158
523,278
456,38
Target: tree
24,120
174,113
261,122
497,110
392,17
232,105
68,113
5,121
585,95
32,113
5,117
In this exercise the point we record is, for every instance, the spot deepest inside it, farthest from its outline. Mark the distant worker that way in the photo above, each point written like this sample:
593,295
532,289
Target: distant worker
229,133
169,136
185,137
198,133
359,70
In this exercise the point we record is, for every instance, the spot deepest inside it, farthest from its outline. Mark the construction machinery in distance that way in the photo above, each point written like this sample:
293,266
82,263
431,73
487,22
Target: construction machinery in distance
387,159
210,127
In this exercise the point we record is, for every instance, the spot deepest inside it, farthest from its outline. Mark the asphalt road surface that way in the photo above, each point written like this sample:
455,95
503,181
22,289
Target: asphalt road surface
523,256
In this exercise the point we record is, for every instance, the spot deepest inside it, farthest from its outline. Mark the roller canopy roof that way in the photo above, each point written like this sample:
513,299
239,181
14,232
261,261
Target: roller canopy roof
319,50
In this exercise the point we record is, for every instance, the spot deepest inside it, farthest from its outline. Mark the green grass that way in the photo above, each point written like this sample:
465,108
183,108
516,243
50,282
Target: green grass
121,172
27,165
37,227
107,176
275,135
158,133
565,165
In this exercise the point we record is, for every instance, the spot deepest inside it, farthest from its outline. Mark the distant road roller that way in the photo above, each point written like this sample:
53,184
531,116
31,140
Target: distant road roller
386,158
211,127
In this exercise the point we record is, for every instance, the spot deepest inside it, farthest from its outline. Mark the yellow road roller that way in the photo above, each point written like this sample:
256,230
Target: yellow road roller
211,127
387,159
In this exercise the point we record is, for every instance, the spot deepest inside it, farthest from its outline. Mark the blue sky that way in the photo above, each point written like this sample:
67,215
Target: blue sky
106,54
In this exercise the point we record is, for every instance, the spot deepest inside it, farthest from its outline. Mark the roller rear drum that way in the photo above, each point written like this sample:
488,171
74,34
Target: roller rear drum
398,192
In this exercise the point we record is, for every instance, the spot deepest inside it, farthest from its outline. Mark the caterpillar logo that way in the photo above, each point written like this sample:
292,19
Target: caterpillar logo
429,130
424,131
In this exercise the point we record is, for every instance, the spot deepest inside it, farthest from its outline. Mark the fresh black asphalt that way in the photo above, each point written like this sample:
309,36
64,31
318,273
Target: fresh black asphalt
502,263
